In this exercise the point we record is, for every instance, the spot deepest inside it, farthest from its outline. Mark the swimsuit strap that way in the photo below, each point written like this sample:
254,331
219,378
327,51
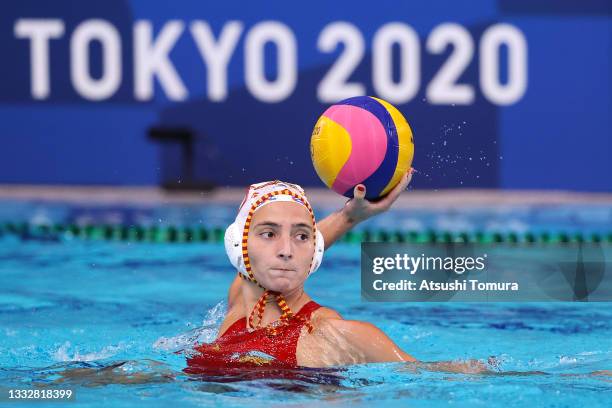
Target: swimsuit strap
307,310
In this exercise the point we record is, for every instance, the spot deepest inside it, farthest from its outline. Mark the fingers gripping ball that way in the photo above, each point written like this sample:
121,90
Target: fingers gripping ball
362,140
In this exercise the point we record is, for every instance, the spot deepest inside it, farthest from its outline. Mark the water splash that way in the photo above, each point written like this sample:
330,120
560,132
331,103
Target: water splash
457,164
63,353
206,333
567,360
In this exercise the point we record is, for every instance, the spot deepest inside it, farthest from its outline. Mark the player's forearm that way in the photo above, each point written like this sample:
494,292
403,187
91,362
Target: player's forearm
334,226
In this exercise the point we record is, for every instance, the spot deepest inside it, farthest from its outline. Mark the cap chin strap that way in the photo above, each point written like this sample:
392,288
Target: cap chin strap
286,315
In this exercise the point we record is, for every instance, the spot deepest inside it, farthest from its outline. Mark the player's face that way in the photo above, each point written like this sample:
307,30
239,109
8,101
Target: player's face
281,245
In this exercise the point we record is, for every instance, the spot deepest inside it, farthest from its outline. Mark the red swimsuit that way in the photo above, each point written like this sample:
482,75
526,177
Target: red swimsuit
239,348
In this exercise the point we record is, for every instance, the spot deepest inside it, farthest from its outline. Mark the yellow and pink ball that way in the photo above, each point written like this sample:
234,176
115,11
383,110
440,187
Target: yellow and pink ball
362,140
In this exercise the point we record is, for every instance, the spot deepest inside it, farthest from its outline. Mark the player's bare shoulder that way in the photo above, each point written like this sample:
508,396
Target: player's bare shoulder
329,322
324,313
331,325
331,318
329,343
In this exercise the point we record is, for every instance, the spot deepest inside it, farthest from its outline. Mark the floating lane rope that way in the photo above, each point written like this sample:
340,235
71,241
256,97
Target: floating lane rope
179,234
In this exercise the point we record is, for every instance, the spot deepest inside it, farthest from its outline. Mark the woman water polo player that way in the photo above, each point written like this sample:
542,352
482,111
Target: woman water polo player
275,244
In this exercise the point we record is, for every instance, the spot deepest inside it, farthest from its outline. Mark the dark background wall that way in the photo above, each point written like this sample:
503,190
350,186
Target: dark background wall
552,134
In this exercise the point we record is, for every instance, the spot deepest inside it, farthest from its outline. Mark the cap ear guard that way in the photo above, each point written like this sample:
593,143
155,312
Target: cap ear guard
233,241
318,254
233,248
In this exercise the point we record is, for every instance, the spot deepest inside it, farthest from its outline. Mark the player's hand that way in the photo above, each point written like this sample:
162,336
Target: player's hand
359,208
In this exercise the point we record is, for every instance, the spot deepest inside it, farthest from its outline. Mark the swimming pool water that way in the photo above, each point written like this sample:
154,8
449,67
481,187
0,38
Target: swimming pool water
83,304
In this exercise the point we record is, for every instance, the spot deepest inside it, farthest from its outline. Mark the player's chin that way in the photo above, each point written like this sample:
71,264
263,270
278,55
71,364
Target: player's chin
282,284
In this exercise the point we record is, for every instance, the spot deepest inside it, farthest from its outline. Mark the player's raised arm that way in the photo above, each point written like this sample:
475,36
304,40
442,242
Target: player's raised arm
358,209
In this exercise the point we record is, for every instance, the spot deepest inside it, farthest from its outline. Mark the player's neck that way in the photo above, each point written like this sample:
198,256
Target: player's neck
252,293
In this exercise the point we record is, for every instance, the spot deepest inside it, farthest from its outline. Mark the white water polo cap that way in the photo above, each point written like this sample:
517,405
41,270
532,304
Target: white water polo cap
257,196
